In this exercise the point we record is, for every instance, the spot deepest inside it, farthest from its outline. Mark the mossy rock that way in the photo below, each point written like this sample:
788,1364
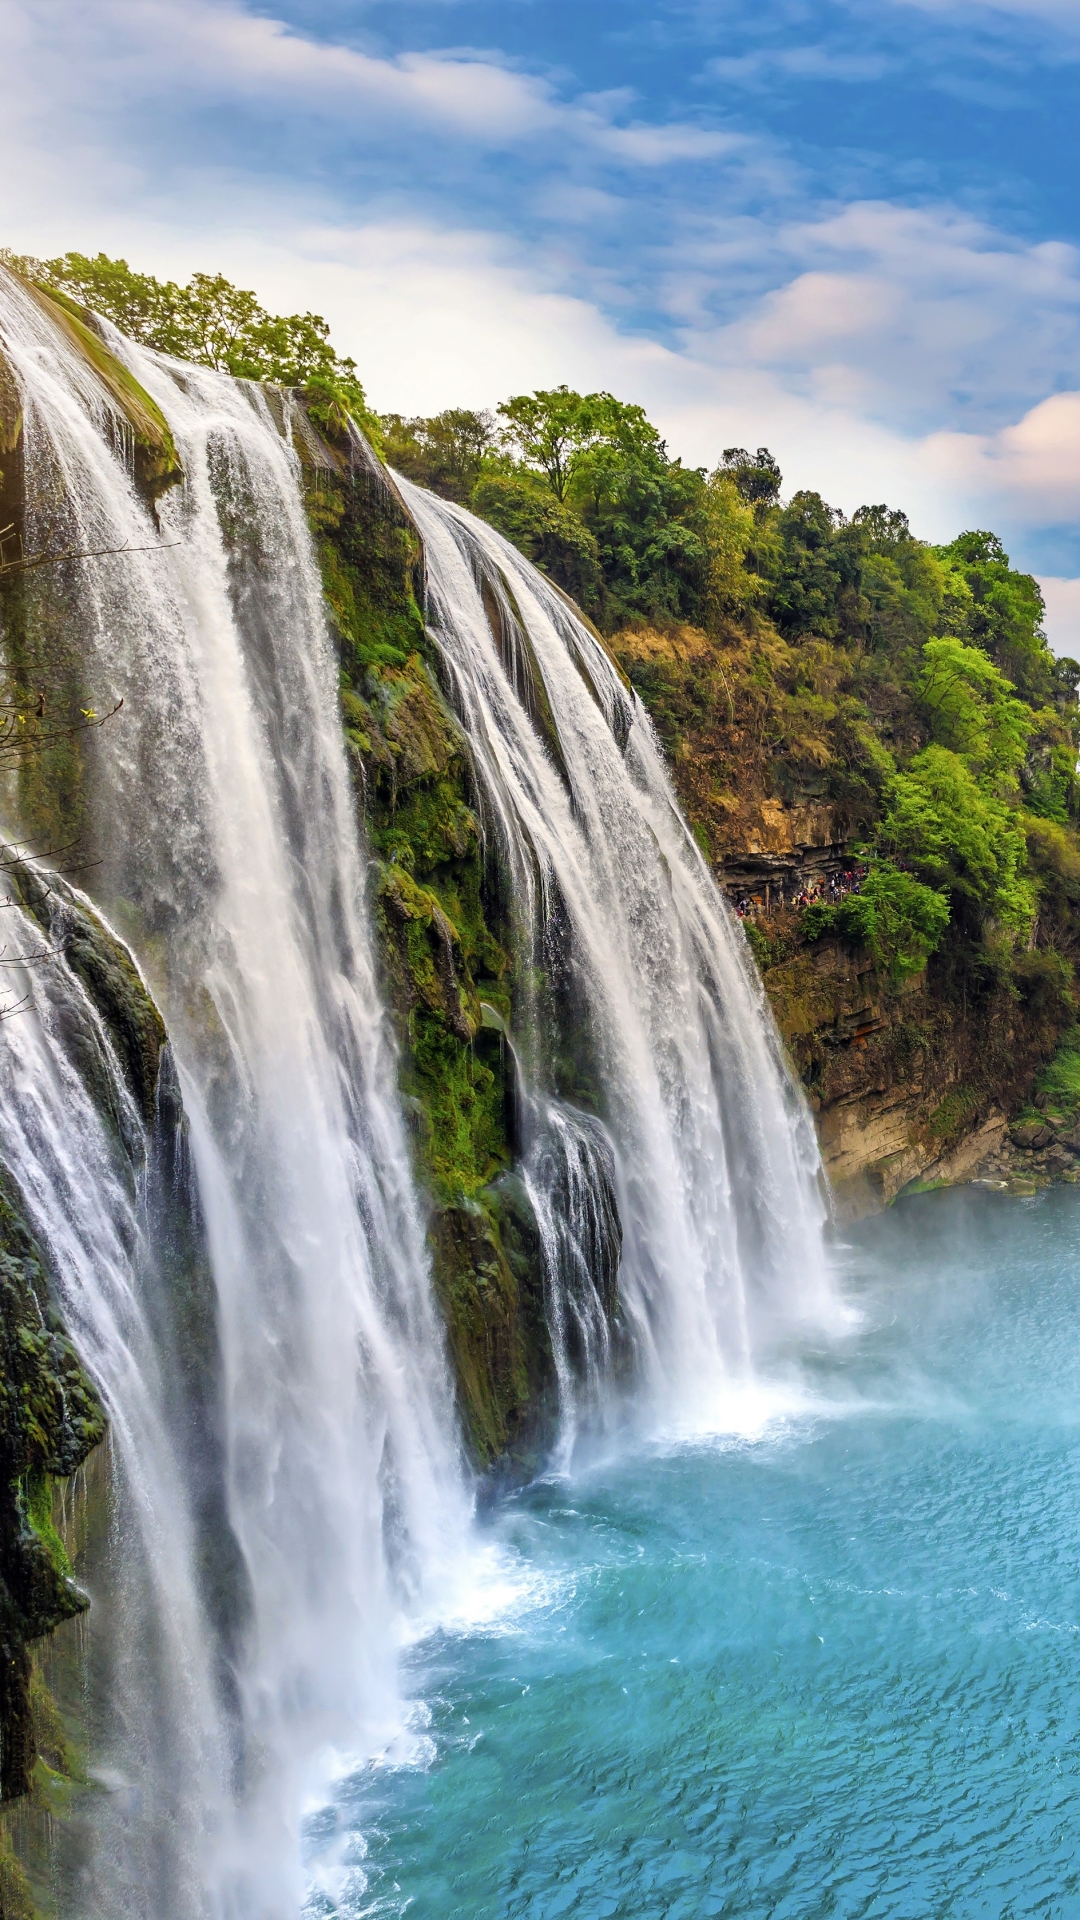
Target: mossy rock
446,943
50,1420
157,463
487,1266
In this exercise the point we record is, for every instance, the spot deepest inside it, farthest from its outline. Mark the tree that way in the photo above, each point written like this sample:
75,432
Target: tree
1000,610
210,321
896,917
545,531
958,838
550,429
812,568
973,709
756,475
445,453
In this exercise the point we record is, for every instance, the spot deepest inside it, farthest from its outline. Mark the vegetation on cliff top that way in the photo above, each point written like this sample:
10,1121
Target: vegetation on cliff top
790,654
207,320
784,651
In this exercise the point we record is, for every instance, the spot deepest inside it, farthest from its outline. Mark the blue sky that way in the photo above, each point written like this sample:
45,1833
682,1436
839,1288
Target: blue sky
846,228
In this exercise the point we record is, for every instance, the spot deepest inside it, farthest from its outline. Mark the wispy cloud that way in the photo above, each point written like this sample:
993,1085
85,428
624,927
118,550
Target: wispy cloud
763,66
931,312
1033,464
472,226
1058,13
224,52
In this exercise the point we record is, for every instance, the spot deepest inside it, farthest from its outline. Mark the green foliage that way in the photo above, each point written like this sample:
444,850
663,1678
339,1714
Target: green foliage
551,430
445,453
210,321
973,709
604,472
1061,1078
545,530
756,476
960,838
813,570
1000,610
728,526
896,917
950,1120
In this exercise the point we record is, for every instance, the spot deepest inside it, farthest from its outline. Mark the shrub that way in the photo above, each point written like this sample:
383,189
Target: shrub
959,838
898,919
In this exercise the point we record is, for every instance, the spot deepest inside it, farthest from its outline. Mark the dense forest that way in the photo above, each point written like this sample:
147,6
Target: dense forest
780,647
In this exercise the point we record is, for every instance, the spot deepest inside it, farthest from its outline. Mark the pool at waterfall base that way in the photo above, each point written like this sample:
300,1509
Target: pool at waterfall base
825,1665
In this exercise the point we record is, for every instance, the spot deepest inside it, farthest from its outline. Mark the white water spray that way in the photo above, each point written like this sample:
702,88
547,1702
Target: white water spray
74,1142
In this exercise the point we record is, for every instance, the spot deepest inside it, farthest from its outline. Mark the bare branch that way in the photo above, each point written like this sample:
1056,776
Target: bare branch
10,567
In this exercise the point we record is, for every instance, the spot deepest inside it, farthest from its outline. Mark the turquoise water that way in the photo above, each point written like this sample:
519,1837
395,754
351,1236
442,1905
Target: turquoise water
830,1668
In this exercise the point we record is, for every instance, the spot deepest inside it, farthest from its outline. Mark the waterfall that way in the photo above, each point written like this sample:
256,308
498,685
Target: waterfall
694,1125
223,820
261,1591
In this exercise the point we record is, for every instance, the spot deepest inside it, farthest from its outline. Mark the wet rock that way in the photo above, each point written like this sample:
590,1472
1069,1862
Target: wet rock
1031,1135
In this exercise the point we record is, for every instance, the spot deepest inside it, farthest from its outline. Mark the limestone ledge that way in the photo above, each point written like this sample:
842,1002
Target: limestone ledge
910,1086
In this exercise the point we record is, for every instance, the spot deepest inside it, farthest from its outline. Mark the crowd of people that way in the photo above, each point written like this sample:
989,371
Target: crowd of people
826,889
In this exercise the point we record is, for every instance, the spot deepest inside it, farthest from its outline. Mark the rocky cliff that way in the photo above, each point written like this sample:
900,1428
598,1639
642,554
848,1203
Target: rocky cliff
913,1079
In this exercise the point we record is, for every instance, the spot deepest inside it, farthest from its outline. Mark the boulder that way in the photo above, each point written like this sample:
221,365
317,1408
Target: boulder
1031,1135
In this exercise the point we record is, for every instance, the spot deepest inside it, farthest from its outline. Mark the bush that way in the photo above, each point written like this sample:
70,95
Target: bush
959,838
1061,1079
544,530
898,919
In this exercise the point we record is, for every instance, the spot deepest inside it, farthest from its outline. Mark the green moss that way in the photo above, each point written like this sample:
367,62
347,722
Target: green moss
16,1898
156,459
487,1260
38,1508
50,1420
952,1118
1060,1079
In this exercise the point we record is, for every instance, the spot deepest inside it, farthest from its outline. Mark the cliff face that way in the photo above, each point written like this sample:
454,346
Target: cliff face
911,1080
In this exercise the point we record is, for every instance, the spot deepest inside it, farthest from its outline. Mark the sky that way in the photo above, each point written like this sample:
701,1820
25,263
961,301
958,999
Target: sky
845,229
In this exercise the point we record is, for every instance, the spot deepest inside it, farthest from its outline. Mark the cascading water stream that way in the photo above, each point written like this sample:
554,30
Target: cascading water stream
225,826
74,1143
705,1141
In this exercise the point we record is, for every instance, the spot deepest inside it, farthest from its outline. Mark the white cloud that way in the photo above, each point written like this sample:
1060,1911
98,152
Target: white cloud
925,314
1059,13
1062,614
1033,465
140,50
818,62
885,352
438,317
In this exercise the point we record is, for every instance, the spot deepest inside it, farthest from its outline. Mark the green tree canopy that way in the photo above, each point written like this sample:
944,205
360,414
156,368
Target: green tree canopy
445,453
897,918
973,708
958,838
757,475
210,321
550,430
